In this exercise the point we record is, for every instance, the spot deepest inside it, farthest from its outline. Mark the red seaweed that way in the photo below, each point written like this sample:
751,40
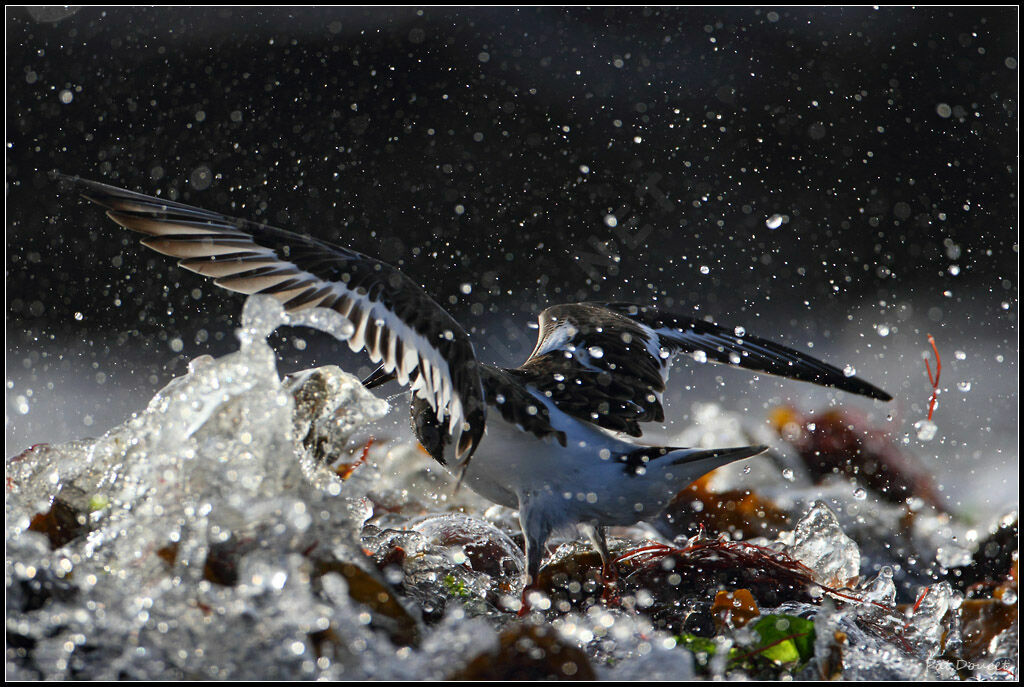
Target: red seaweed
934,398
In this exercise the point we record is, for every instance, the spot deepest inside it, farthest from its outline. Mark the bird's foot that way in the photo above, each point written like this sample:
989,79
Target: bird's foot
533,599
610,593
524,608
610,583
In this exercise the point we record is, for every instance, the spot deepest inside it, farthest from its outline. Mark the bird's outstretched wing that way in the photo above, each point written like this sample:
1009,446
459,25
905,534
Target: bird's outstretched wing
607,363
394,320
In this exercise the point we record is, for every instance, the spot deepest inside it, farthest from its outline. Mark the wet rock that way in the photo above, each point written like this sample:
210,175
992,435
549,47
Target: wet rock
168,554
699,620
450,558
572,577
61,524
328,409
480,545
529,652
684,581
221,565
742,513
993,563
838,441
984,620
365,588
829,654
25,595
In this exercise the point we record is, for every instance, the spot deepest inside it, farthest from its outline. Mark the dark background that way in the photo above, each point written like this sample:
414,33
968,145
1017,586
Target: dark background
369,127
495,148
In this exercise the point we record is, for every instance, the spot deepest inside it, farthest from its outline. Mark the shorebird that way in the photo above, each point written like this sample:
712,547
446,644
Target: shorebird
555,438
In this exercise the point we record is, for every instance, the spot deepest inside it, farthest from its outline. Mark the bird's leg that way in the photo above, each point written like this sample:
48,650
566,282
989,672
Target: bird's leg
533,553
609,573
535,533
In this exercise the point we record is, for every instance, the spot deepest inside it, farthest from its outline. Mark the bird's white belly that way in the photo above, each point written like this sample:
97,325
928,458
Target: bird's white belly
511,462
512,465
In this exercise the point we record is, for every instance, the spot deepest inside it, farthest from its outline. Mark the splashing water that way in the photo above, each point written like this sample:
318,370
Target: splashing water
246,525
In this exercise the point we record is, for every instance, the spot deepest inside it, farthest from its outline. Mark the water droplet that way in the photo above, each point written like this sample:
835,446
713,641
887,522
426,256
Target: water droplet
926,430
774,222
740,331
860,493
788,475
704,269
596,352
849,371
883,330
201,178
964,386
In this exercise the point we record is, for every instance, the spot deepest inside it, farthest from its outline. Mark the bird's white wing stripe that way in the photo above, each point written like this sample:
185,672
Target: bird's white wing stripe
390,362
357,340
254,258
409,359
436,380
433,383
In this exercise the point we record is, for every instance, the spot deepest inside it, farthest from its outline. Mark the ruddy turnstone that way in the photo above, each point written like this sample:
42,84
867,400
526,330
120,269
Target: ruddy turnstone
555,437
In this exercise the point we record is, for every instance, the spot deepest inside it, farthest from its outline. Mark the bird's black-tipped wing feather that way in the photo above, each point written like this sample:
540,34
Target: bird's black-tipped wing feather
393,319
607,363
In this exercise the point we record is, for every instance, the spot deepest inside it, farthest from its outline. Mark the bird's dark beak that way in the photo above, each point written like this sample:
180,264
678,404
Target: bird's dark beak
379,377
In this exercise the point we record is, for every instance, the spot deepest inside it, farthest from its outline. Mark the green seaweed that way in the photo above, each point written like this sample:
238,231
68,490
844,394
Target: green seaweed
783,641
456,588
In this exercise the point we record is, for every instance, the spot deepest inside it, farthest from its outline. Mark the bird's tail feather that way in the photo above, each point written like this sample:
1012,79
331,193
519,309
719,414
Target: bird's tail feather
714,457
666,471
696,461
